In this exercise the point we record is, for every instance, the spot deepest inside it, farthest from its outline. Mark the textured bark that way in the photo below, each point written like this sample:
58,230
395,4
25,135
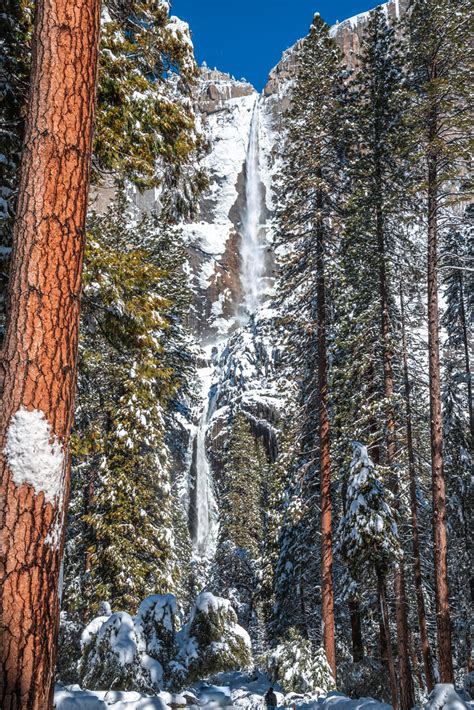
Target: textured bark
386,640
417,573
467,498
443,618
327,591
39,354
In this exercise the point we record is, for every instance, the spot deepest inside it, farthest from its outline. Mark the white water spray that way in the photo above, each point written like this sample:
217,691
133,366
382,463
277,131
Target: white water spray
252,250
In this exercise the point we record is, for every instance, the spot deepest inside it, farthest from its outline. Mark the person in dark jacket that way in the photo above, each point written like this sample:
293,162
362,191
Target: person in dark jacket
271,698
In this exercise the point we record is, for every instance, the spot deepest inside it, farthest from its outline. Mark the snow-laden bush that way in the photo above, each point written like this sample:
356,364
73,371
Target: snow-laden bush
156,622
297,667
212,641
115,658
468,684
368,535
146,653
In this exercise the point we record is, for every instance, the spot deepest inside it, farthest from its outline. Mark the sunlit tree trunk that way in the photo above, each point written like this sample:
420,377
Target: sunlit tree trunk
327,590
39,354
443,617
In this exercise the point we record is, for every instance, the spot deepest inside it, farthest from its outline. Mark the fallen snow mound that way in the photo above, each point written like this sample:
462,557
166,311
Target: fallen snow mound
444,697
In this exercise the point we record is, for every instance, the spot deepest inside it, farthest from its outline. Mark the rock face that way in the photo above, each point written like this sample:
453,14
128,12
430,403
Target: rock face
347,34
216,87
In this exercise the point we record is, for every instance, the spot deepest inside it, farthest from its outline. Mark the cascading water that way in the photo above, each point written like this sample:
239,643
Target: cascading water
203,487
253,273
252,249
204,524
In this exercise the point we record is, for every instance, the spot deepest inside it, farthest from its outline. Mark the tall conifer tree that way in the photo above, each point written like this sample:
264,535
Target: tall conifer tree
438,138
309,180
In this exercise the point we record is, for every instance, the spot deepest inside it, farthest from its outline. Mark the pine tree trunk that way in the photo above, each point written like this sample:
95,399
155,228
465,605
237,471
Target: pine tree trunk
327,592
407,699
356,630
388,647
443,619
39,354
417,573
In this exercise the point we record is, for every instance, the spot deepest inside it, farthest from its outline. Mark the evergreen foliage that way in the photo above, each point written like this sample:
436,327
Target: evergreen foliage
458,422
15,32
212,640
368,535
133,360
145,127
307,190
298,668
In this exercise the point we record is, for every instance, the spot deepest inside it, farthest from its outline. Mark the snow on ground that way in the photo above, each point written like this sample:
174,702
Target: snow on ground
445,697
231,690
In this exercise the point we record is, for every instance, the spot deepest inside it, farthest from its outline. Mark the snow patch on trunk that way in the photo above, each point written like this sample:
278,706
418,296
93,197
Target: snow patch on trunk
34,454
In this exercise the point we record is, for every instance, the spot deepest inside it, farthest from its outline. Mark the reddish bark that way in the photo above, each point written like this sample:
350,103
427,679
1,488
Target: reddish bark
327,592
443,617
417,573
385,639
39,354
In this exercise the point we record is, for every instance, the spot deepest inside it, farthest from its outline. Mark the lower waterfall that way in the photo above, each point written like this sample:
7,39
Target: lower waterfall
205,524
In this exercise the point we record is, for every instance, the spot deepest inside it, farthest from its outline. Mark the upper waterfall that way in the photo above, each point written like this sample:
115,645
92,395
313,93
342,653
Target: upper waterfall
253,242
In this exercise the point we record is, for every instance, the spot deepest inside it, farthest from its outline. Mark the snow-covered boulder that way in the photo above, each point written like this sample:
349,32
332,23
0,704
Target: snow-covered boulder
444,697
74,698
297,667
212,641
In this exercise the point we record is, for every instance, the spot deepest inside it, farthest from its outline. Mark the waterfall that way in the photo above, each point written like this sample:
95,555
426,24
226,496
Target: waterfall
204,523
203,481
253,275
252,249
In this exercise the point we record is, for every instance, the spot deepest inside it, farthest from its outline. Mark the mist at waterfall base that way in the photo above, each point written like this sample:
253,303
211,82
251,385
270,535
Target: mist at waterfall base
254,278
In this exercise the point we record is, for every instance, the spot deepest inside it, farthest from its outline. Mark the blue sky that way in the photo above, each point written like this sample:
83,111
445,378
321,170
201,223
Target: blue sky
247,37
